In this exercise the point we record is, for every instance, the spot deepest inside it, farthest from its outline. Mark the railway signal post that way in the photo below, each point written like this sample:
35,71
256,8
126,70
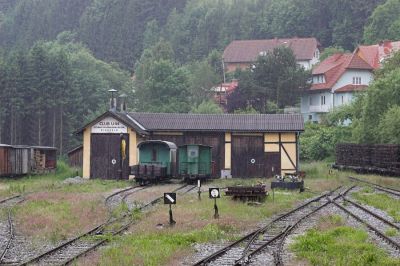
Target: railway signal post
199,187
170,198
214,193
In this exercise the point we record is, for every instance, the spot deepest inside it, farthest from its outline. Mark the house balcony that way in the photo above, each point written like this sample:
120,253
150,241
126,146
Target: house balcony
320,108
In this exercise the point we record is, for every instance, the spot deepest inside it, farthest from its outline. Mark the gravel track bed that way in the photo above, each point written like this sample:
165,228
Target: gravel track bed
289,258
386,193
263,258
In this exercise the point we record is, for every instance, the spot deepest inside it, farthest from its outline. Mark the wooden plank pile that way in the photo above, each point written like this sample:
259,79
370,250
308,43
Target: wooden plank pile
252,193
382,159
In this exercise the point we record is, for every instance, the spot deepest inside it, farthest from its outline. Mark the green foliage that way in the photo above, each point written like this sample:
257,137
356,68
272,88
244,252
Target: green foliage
275,81
328,51
382,94
380,201
337,246
119,31
50,90
207,107
129,250
318,141
389,126
384,23
247,110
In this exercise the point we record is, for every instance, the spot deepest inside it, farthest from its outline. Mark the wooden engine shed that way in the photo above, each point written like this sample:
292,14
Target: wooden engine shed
243,145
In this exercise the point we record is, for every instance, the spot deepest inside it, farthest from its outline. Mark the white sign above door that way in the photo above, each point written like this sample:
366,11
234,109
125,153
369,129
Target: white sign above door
109,125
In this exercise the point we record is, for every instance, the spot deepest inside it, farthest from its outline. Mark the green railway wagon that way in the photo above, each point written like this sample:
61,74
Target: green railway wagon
195,162
157,161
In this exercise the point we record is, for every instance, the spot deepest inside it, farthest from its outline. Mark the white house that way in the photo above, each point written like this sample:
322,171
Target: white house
244,53
340,76
334,82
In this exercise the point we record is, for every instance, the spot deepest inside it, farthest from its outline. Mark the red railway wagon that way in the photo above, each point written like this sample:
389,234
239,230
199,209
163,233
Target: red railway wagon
5,166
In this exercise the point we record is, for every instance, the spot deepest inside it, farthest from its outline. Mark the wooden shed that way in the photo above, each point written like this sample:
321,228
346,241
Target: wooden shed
243,145
75,157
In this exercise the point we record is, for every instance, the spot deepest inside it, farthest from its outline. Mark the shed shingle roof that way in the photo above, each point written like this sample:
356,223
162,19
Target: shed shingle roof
245,51
219,122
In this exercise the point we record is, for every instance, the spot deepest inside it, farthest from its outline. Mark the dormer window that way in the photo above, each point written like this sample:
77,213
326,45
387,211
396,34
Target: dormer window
319,79
356,80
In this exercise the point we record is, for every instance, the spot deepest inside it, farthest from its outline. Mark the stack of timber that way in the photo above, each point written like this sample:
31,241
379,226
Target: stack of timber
258,193
368,158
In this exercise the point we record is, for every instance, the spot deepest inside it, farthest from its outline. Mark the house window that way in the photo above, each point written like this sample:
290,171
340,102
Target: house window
316,54
310,117
357,80
322,100
319,79
342,99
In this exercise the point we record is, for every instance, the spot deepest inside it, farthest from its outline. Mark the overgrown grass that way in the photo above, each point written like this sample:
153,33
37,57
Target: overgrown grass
391,232
380,201
340,246
53,182
58,216
157,247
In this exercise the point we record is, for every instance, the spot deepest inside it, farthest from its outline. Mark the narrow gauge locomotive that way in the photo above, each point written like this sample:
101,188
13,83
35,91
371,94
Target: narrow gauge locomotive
161,160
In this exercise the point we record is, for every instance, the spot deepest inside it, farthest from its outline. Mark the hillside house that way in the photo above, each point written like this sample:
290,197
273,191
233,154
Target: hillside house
244,53
337,79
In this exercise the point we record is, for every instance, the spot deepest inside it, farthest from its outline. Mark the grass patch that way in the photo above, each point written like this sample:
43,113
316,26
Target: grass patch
55,216
381,201
340,246
329,222
156,248
391,232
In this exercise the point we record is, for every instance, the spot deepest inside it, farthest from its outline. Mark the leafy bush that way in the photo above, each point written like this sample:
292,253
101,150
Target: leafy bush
318,142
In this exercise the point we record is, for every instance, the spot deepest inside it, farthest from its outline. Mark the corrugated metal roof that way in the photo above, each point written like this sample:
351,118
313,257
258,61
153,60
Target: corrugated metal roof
219,122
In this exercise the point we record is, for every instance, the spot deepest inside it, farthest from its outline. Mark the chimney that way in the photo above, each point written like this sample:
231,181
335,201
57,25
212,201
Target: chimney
113,100
122,102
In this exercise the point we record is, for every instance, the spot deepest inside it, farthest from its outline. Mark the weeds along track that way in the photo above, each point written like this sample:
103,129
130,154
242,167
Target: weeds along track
69,251
267,237
11,201
387,190
7,228
6,236
373,221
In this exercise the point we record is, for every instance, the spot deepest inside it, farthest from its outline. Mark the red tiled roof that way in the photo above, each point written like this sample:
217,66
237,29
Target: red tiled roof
244,51
356,62
351,87
374,54
334,66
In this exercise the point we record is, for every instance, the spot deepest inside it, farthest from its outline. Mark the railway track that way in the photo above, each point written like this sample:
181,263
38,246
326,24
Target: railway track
372,221
11,201
7,230
391,191
69,251
6,243
241,251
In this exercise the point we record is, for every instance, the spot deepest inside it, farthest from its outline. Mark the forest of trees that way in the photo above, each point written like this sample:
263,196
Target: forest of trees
58,58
